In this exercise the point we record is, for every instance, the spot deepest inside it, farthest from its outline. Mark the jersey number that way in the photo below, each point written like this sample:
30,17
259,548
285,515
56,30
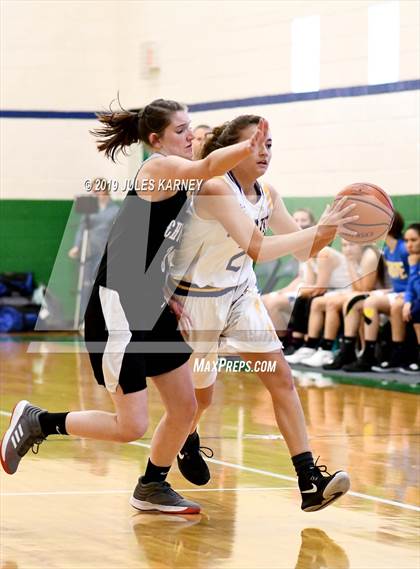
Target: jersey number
230,266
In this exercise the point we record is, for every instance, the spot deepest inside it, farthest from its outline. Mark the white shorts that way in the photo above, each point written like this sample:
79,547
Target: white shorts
392,296
234,322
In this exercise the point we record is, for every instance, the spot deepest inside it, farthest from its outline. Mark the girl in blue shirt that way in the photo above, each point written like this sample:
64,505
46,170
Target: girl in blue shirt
406,309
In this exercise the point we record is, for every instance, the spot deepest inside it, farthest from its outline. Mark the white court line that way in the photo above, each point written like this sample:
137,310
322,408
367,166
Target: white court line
107,492
280,476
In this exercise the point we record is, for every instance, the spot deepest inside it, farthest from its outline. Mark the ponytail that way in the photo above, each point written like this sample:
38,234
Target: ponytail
122,128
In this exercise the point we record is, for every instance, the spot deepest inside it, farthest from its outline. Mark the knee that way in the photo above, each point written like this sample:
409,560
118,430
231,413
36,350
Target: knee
333,304
190,408
286,379
204,398
280,381
370,302
330,305
184,411
317,303
132,431
396,306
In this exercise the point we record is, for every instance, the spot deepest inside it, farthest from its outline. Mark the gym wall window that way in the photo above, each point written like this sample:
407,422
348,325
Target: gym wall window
305,54
383,42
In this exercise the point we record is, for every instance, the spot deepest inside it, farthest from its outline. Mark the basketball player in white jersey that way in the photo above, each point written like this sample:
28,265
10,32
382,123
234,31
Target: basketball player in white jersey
213,277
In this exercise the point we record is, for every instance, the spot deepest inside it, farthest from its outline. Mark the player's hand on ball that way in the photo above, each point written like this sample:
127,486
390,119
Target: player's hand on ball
338,215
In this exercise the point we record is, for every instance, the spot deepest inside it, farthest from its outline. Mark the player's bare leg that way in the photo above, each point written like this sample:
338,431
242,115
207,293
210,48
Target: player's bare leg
318,491
190,461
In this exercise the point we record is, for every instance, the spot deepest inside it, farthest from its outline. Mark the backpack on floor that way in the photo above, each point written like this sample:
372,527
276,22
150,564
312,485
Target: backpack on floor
18,318
17,284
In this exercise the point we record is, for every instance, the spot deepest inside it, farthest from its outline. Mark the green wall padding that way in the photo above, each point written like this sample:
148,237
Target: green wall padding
408,205
31,233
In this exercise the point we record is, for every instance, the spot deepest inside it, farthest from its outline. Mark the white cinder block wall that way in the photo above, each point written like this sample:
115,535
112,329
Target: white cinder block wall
75,56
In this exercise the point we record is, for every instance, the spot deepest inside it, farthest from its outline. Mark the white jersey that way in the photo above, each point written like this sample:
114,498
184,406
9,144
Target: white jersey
208,256
340,276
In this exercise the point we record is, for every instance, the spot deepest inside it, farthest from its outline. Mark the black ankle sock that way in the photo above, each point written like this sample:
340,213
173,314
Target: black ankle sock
398,346
312,343
399,354
326,344
349,341
303,462
297,342
191,442
53,423
369,348
155,473
348,347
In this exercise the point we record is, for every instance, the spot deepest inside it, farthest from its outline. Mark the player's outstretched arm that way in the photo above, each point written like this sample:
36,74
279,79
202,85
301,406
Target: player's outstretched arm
217,201
281,223
216,163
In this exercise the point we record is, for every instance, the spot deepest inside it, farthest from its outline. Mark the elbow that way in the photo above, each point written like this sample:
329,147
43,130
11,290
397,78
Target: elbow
255,248
254,253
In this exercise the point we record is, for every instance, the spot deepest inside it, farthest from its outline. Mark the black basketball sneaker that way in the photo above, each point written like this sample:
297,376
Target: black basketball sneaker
190,462
319,491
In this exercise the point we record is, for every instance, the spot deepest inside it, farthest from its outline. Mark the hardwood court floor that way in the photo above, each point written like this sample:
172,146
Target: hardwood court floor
67,507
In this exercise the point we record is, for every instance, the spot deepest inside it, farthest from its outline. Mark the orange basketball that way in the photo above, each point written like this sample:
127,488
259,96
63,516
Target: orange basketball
374,208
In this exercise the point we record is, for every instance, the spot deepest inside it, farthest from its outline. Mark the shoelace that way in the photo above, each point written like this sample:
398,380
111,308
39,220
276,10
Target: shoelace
32,444
166,487
163,486
321,468
202,450
36,444
208,454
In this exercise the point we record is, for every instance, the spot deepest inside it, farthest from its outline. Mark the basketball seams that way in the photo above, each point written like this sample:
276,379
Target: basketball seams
374,208
367,224
368,189
382,193
361,239
355,199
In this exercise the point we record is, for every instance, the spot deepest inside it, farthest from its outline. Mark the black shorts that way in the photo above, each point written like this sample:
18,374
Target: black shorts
125,357
415,311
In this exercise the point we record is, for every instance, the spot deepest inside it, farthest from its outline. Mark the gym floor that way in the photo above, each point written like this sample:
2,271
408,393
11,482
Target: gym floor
67,507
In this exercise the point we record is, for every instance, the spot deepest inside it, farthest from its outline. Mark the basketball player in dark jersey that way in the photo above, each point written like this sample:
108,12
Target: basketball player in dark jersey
130,331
